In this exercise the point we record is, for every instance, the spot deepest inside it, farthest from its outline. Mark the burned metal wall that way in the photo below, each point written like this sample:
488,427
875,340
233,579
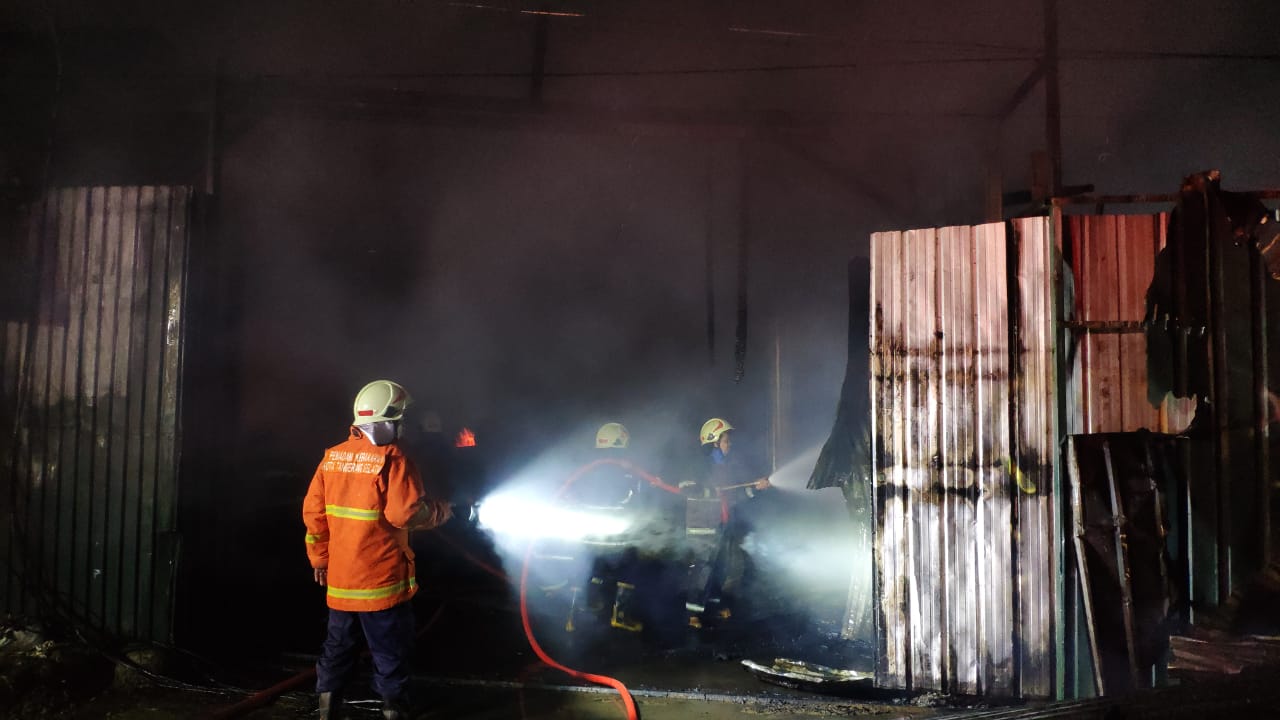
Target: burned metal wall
1220,513
91,366
963,400
1206,330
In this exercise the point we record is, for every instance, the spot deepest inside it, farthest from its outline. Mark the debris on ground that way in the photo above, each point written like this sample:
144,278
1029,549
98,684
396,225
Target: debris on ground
43,676
801,675
1206,651
1241,635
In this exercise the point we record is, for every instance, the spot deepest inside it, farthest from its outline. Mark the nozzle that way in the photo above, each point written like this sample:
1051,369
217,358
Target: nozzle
468,512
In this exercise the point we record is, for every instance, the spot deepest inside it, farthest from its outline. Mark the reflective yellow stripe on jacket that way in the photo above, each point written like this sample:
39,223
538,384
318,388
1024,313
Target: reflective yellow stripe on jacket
351,513
372,593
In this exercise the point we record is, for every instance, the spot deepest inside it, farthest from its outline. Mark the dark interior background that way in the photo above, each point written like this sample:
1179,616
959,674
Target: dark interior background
392,194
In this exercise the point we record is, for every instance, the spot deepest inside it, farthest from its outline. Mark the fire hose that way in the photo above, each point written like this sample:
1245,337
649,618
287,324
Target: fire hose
627,701
266,696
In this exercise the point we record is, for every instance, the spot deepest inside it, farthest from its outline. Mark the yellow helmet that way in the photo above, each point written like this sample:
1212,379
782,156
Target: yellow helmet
713,429
379,401
612,435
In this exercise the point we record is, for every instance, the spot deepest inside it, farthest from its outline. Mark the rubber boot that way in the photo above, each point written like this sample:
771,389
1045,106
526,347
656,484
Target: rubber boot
623,608
328,706
392,710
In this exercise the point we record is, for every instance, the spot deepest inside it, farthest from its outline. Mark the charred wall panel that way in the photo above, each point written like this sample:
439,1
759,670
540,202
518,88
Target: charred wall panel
962,394
1222,301
91,400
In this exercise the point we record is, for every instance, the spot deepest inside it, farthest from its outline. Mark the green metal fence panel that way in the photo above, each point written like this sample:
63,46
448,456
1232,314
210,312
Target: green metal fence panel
92,372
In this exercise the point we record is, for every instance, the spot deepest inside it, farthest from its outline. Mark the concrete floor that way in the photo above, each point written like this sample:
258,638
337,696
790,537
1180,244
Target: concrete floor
489,704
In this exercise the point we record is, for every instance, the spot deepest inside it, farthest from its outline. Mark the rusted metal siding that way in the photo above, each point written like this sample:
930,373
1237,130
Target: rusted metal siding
1113,258
1220,513
963,408
91,403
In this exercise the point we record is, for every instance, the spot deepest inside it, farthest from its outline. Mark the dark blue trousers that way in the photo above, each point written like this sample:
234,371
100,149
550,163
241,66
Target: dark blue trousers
389,634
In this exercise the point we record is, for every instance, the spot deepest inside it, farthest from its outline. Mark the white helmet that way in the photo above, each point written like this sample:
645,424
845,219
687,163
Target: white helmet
612,435
380,401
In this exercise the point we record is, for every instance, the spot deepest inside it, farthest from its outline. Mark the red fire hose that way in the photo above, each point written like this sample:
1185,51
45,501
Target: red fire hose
264,697
625,465
544,657
614,683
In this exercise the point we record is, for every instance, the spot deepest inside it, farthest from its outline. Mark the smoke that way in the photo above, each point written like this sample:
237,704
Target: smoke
809,545
806,550
805,543
534,269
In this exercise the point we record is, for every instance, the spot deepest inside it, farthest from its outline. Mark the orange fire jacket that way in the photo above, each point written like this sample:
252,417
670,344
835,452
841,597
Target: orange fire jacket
361,504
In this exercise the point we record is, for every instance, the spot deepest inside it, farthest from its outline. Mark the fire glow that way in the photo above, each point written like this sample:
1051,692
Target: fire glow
465,438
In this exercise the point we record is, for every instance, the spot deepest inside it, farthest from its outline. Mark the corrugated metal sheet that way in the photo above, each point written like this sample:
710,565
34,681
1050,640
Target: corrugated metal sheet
1113,258
963,408
1038,536
91,397
1221,513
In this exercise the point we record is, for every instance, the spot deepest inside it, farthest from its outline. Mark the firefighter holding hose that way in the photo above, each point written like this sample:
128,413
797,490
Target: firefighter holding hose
731,479
610,488
365,497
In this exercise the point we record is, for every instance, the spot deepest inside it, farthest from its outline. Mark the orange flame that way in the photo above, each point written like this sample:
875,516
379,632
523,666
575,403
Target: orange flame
466,438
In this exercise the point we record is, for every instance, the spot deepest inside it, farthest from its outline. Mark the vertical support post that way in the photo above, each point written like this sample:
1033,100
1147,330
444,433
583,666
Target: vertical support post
709,249
1217,354
1262,403
776,426
877,370
213,133
541,25
995,193
213,311
744,246
1052,100
1066,635
1186,510
1200,572
1082,569
1120,523
1155,475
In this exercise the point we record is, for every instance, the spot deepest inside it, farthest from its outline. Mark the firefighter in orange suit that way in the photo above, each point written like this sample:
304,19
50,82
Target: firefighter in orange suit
364,498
